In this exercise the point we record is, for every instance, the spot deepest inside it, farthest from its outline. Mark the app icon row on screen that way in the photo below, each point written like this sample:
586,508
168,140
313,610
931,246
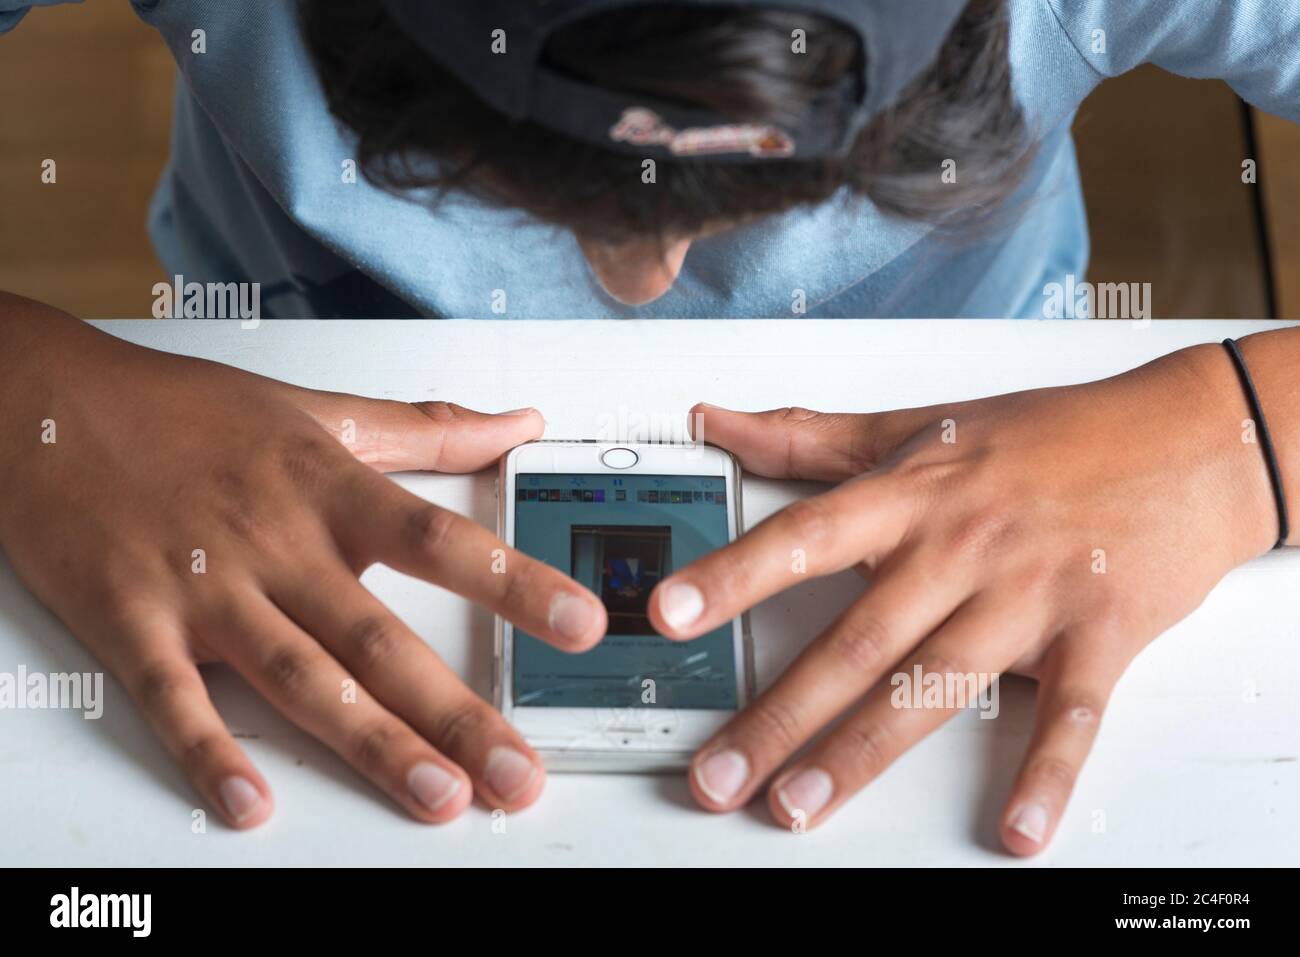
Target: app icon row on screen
646,496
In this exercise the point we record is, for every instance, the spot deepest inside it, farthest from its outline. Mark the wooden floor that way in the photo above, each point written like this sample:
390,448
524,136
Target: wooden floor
1161,158
1279,147
97,88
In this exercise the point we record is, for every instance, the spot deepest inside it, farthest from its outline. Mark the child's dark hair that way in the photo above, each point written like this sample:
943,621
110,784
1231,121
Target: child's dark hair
419,128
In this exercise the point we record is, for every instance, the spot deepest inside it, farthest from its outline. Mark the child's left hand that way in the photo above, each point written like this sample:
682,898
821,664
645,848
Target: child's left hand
1053,533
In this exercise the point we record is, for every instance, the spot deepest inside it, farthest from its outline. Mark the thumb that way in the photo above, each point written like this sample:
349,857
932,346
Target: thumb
428,436
792,443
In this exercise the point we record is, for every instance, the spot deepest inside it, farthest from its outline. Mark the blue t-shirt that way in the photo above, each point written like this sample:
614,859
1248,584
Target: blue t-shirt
255,189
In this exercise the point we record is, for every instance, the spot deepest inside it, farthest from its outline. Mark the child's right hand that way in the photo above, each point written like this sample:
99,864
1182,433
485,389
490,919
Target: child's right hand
159,456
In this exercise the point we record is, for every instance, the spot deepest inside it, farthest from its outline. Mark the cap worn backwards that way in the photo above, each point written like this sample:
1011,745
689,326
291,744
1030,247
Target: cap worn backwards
900,40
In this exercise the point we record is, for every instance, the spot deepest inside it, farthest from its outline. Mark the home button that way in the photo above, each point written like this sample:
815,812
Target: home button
619,458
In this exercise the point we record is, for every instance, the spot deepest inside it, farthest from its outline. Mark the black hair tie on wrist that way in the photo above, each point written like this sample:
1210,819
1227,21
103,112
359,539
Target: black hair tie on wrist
1265,440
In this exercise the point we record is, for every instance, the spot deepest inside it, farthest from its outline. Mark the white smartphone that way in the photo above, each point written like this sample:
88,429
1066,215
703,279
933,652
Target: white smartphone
620,519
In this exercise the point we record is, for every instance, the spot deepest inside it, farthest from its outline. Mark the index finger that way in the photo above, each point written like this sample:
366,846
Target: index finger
381,521
860,521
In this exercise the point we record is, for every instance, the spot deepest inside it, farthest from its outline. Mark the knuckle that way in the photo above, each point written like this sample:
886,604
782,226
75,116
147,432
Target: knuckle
232,482
863,450
158,684
793,415
429,528
1040,579
456,728
443,413
928,480
851,446
201,752
373,640
123,609
724,575
867,745
1111,615
1054,771
794,425
304,460
287,671
861,642
775,724
982,534
935,661
240,519
240,512
1080,708
520,585
375,743
810,520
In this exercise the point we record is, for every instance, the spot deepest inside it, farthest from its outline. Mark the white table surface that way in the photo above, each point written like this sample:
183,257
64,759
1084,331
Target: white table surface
1196,761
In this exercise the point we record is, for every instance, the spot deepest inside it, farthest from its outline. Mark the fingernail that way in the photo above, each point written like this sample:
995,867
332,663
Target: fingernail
240,798
571,617
508,772
808,791
681,604
431,785
721,775
528,411
1031,821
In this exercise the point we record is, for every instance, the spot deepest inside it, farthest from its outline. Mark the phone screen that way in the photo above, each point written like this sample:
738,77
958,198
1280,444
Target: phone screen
620,535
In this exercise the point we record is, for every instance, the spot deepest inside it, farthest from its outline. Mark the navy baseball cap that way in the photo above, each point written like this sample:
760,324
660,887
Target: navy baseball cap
900,40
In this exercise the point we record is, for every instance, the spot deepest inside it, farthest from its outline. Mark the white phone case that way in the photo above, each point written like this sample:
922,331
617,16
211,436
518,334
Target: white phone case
584,758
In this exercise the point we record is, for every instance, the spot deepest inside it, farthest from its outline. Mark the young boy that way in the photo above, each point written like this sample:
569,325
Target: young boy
957,105
568,159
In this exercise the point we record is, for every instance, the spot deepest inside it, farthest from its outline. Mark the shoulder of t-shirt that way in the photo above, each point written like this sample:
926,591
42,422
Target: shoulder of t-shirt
1193,37
1251,44
12,11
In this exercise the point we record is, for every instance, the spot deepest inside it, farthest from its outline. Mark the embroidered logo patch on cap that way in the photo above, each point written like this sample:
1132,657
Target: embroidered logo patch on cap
642,127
